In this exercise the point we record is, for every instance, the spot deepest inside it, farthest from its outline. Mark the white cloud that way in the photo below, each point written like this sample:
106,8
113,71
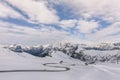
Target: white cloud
83,26
10,34
36,10
87,26
113,29
6,11
110,33
107,10
68,23
14,34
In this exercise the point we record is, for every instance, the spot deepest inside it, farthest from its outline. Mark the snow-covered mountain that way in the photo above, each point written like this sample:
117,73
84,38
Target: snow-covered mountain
72,56
104,52
104,46
117,44
17,63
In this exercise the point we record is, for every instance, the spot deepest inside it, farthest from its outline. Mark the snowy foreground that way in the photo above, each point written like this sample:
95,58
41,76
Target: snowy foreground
23,66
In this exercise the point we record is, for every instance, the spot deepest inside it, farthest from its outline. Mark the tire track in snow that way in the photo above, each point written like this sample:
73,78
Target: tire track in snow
38,70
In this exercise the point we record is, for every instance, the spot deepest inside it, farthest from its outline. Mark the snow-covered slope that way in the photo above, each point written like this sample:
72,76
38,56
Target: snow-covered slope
49,68
104,52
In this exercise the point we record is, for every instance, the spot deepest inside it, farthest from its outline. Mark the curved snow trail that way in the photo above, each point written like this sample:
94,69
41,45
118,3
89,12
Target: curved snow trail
65,68
38,70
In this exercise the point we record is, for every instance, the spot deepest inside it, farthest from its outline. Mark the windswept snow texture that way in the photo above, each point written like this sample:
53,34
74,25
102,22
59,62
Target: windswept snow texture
58,66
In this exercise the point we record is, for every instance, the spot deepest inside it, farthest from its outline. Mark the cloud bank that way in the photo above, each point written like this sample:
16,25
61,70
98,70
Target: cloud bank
51,21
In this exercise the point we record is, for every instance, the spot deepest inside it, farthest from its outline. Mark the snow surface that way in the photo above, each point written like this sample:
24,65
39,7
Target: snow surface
101,53
21,61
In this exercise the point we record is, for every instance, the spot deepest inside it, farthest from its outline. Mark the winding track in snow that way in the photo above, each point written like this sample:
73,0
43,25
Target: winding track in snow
40,70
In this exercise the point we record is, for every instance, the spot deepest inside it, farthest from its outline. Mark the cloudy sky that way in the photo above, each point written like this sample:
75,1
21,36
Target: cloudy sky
50,21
